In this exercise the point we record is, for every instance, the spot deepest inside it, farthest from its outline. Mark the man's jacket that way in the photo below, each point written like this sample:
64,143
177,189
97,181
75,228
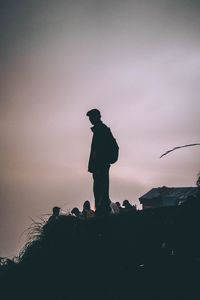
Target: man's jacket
99,154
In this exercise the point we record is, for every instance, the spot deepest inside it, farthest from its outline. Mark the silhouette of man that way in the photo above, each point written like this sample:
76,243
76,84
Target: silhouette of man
128,206
87,211
55,216
99,164
75,211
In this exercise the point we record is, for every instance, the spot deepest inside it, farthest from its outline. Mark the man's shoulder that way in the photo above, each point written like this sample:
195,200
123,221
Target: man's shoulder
105,131
105,127
102,129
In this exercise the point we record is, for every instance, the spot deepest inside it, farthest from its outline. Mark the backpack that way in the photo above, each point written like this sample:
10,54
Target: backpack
113,152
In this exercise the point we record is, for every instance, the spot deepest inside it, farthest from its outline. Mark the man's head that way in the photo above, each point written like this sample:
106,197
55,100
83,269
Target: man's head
126,203
56,211
94,116
75,211
118,204
86,205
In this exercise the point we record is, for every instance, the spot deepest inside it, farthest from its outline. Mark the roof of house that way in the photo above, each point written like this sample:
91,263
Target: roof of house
180,193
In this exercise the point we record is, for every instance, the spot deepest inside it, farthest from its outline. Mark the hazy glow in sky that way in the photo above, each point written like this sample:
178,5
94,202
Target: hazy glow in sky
136,61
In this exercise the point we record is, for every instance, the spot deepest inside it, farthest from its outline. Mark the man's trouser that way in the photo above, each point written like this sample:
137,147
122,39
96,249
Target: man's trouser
101,190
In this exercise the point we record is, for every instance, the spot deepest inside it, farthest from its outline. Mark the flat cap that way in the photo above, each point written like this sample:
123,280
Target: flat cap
93,112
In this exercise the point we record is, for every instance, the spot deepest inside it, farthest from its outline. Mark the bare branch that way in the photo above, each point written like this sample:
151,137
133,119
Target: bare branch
179,148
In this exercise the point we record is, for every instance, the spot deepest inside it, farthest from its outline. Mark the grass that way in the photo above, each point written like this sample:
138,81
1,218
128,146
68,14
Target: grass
153,254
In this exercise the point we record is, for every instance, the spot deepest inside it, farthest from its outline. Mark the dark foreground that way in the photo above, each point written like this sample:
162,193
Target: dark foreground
152,254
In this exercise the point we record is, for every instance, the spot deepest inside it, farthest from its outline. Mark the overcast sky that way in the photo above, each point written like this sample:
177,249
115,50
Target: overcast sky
136,61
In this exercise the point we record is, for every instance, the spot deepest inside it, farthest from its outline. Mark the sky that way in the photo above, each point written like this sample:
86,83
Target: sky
138,62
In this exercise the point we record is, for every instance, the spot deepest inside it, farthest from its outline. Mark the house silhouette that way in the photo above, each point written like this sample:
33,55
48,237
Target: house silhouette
167,196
